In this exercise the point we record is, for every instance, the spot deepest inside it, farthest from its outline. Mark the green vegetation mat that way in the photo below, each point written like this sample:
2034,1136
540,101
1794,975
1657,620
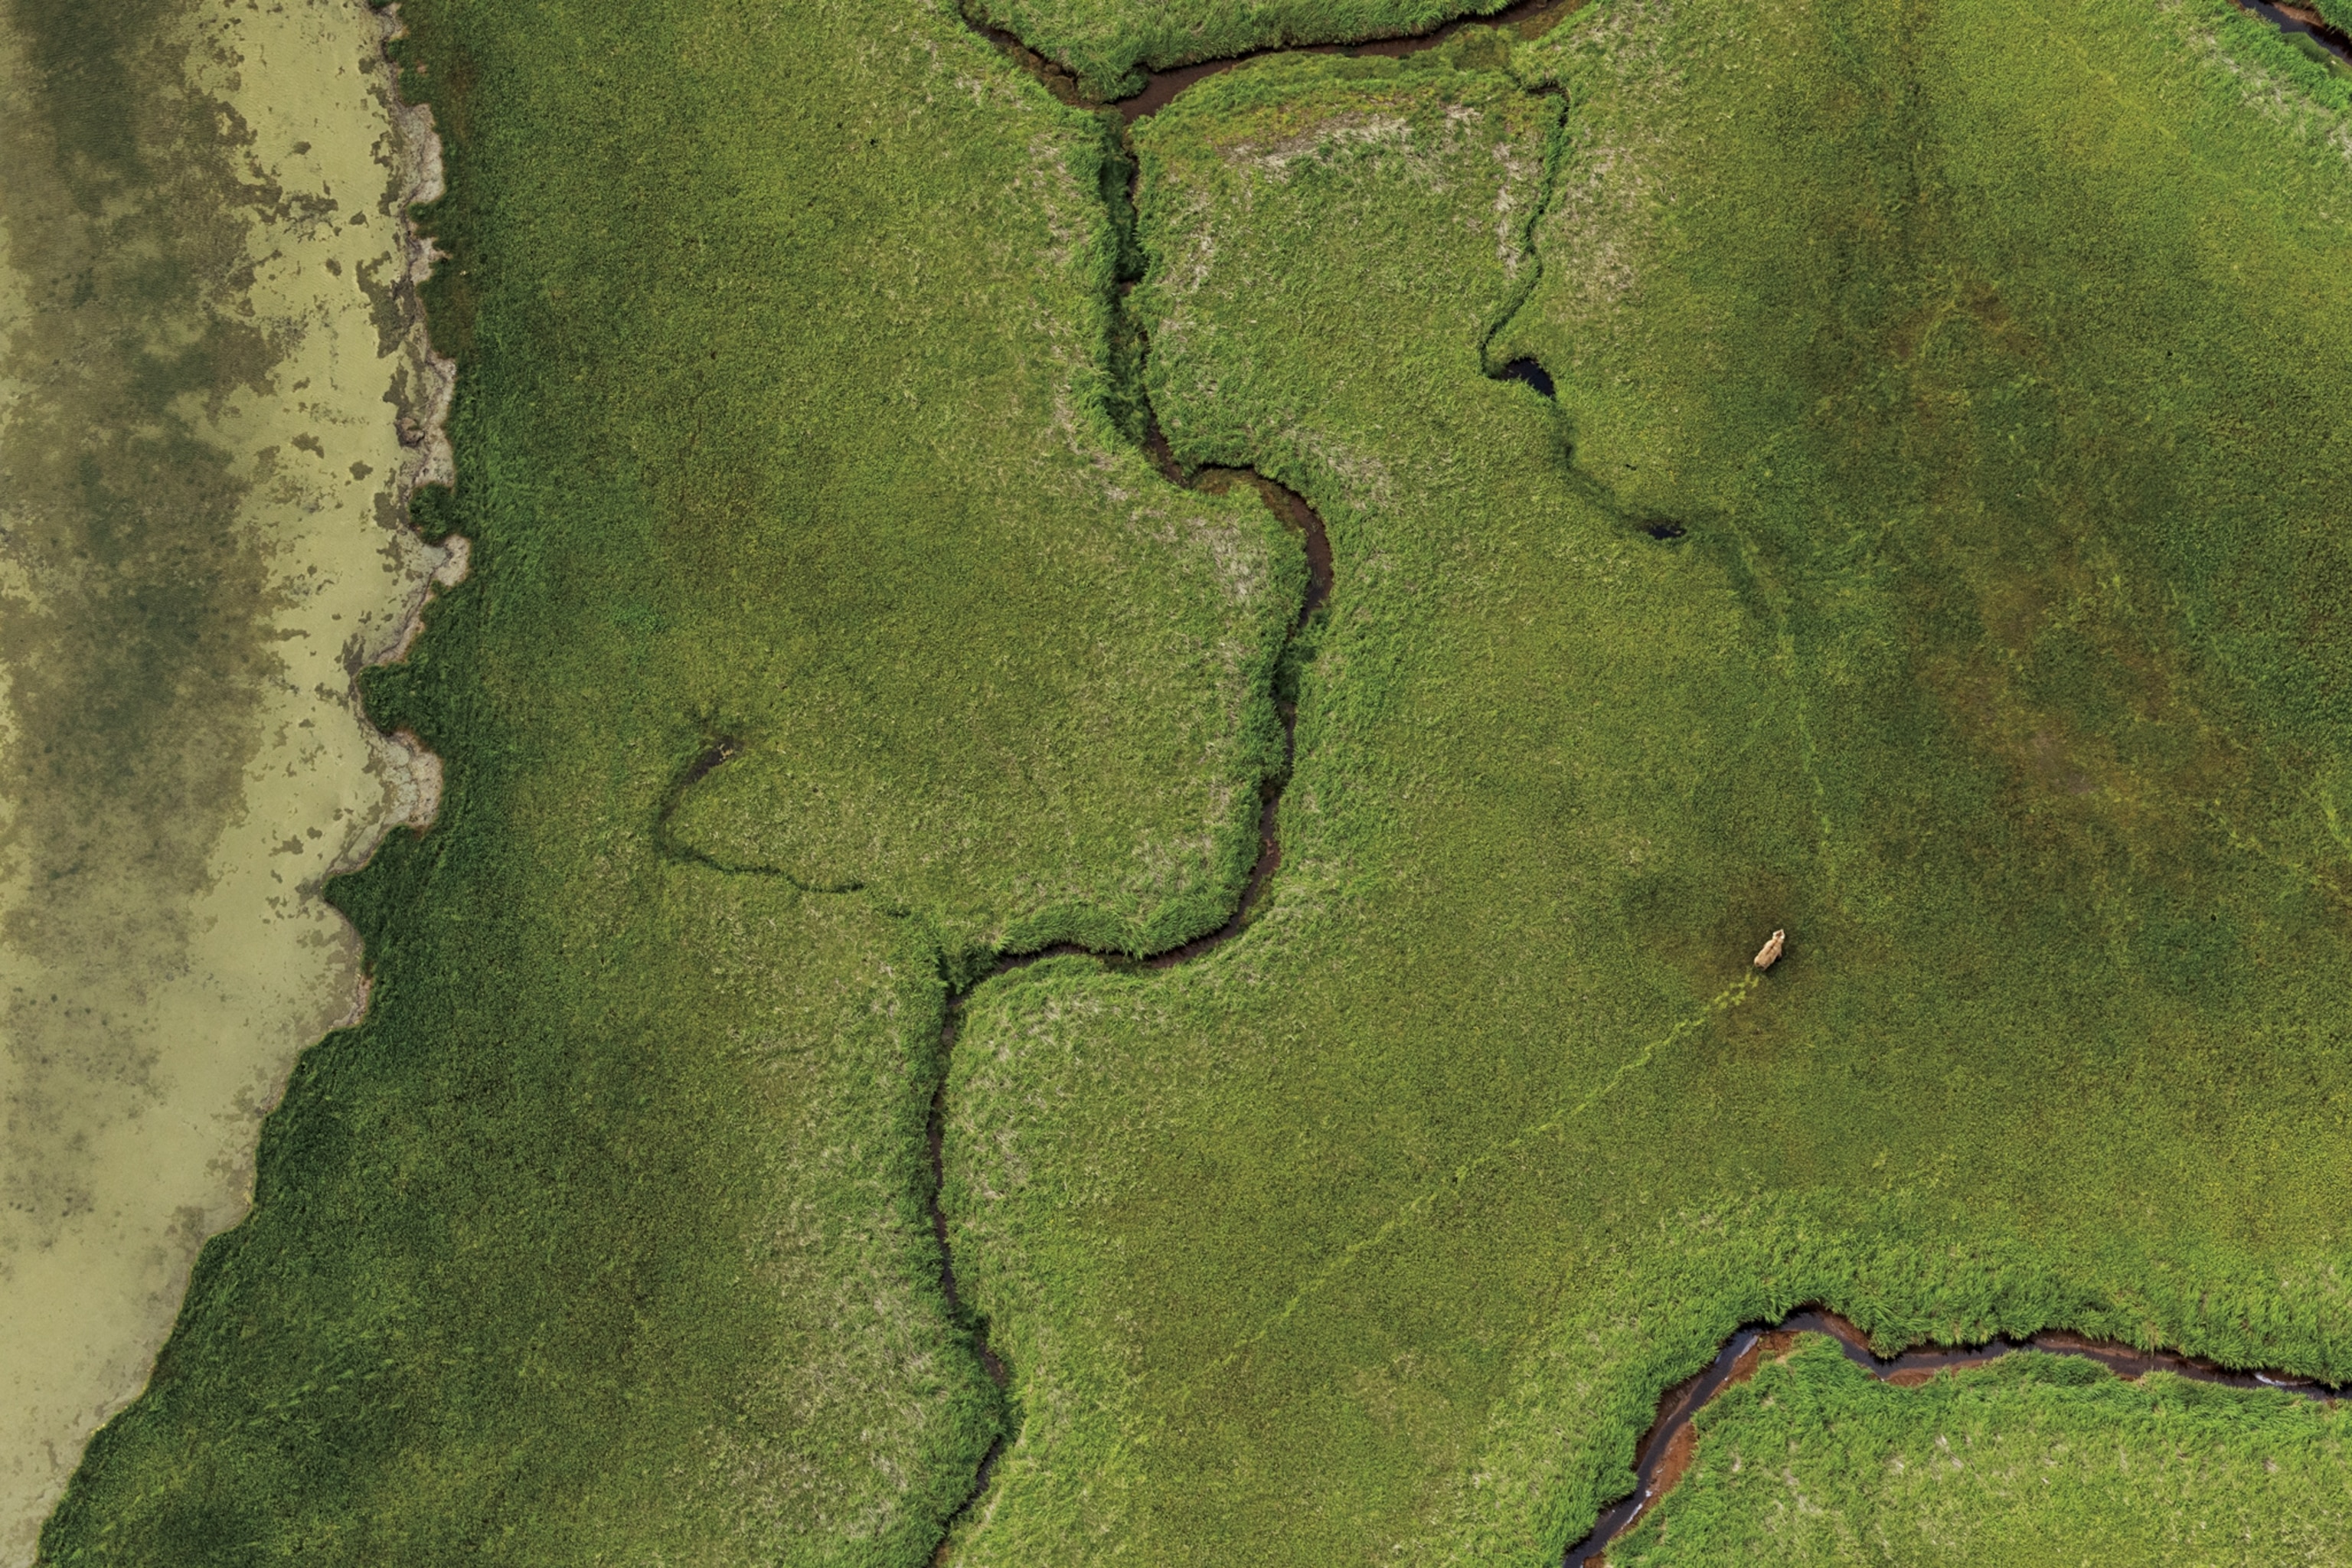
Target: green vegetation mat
2032,1459
784,419
1972,365
1931,551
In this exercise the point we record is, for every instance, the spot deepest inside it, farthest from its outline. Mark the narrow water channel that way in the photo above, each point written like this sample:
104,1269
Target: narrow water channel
2301,22
1664,1450
1302,520
1528,18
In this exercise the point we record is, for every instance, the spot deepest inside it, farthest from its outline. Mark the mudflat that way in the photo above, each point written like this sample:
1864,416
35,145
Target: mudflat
205,357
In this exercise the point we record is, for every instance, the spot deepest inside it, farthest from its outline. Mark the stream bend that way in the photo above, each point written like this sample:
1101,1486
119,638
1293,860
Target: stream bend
1666,1448
1301,518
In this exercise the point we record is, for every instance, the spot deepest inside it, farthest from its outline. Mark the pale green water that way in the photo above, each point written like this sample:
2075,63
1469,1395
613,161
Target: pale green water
200,468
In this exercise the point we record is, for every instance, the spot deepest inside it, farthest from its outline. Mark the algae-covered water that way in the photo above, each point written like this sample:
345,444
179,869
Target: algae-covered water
207,356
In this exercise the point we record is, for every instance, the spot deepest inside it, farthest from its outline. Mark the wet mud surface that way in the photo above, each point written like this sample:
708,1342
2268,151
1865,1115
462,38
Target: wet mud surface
2301,21
1666,1451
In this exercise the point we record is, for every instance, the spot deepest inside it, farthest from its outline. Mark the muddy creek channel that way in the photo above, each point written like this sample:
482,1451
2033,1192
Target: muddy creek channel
1302,520
1665,1449
2301,23
1531,18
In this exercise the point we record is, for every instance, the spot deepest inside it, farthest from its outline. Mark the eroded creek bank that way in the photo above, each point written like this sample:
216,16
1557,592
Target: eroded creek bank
216,395
2307,30
1665,1449
1530,18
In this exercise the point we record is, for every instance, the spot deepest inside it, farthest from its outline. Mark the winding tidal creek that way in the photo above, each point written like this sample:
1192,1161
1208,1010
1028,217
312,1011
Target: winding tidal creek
1665,1449
214,396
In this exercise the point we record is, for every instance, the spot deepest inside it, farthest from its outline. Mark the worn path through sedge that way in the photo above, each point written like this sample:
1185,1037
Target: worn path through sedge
208,357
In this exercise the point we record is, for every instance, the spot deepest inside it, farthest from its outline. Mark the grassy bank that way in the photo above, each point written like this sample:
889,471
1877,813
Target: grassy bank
787,418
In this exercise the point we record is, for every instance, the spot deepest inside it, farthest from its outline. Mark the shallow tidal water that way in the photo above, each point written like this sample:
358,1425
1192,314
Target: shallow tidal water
208,352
